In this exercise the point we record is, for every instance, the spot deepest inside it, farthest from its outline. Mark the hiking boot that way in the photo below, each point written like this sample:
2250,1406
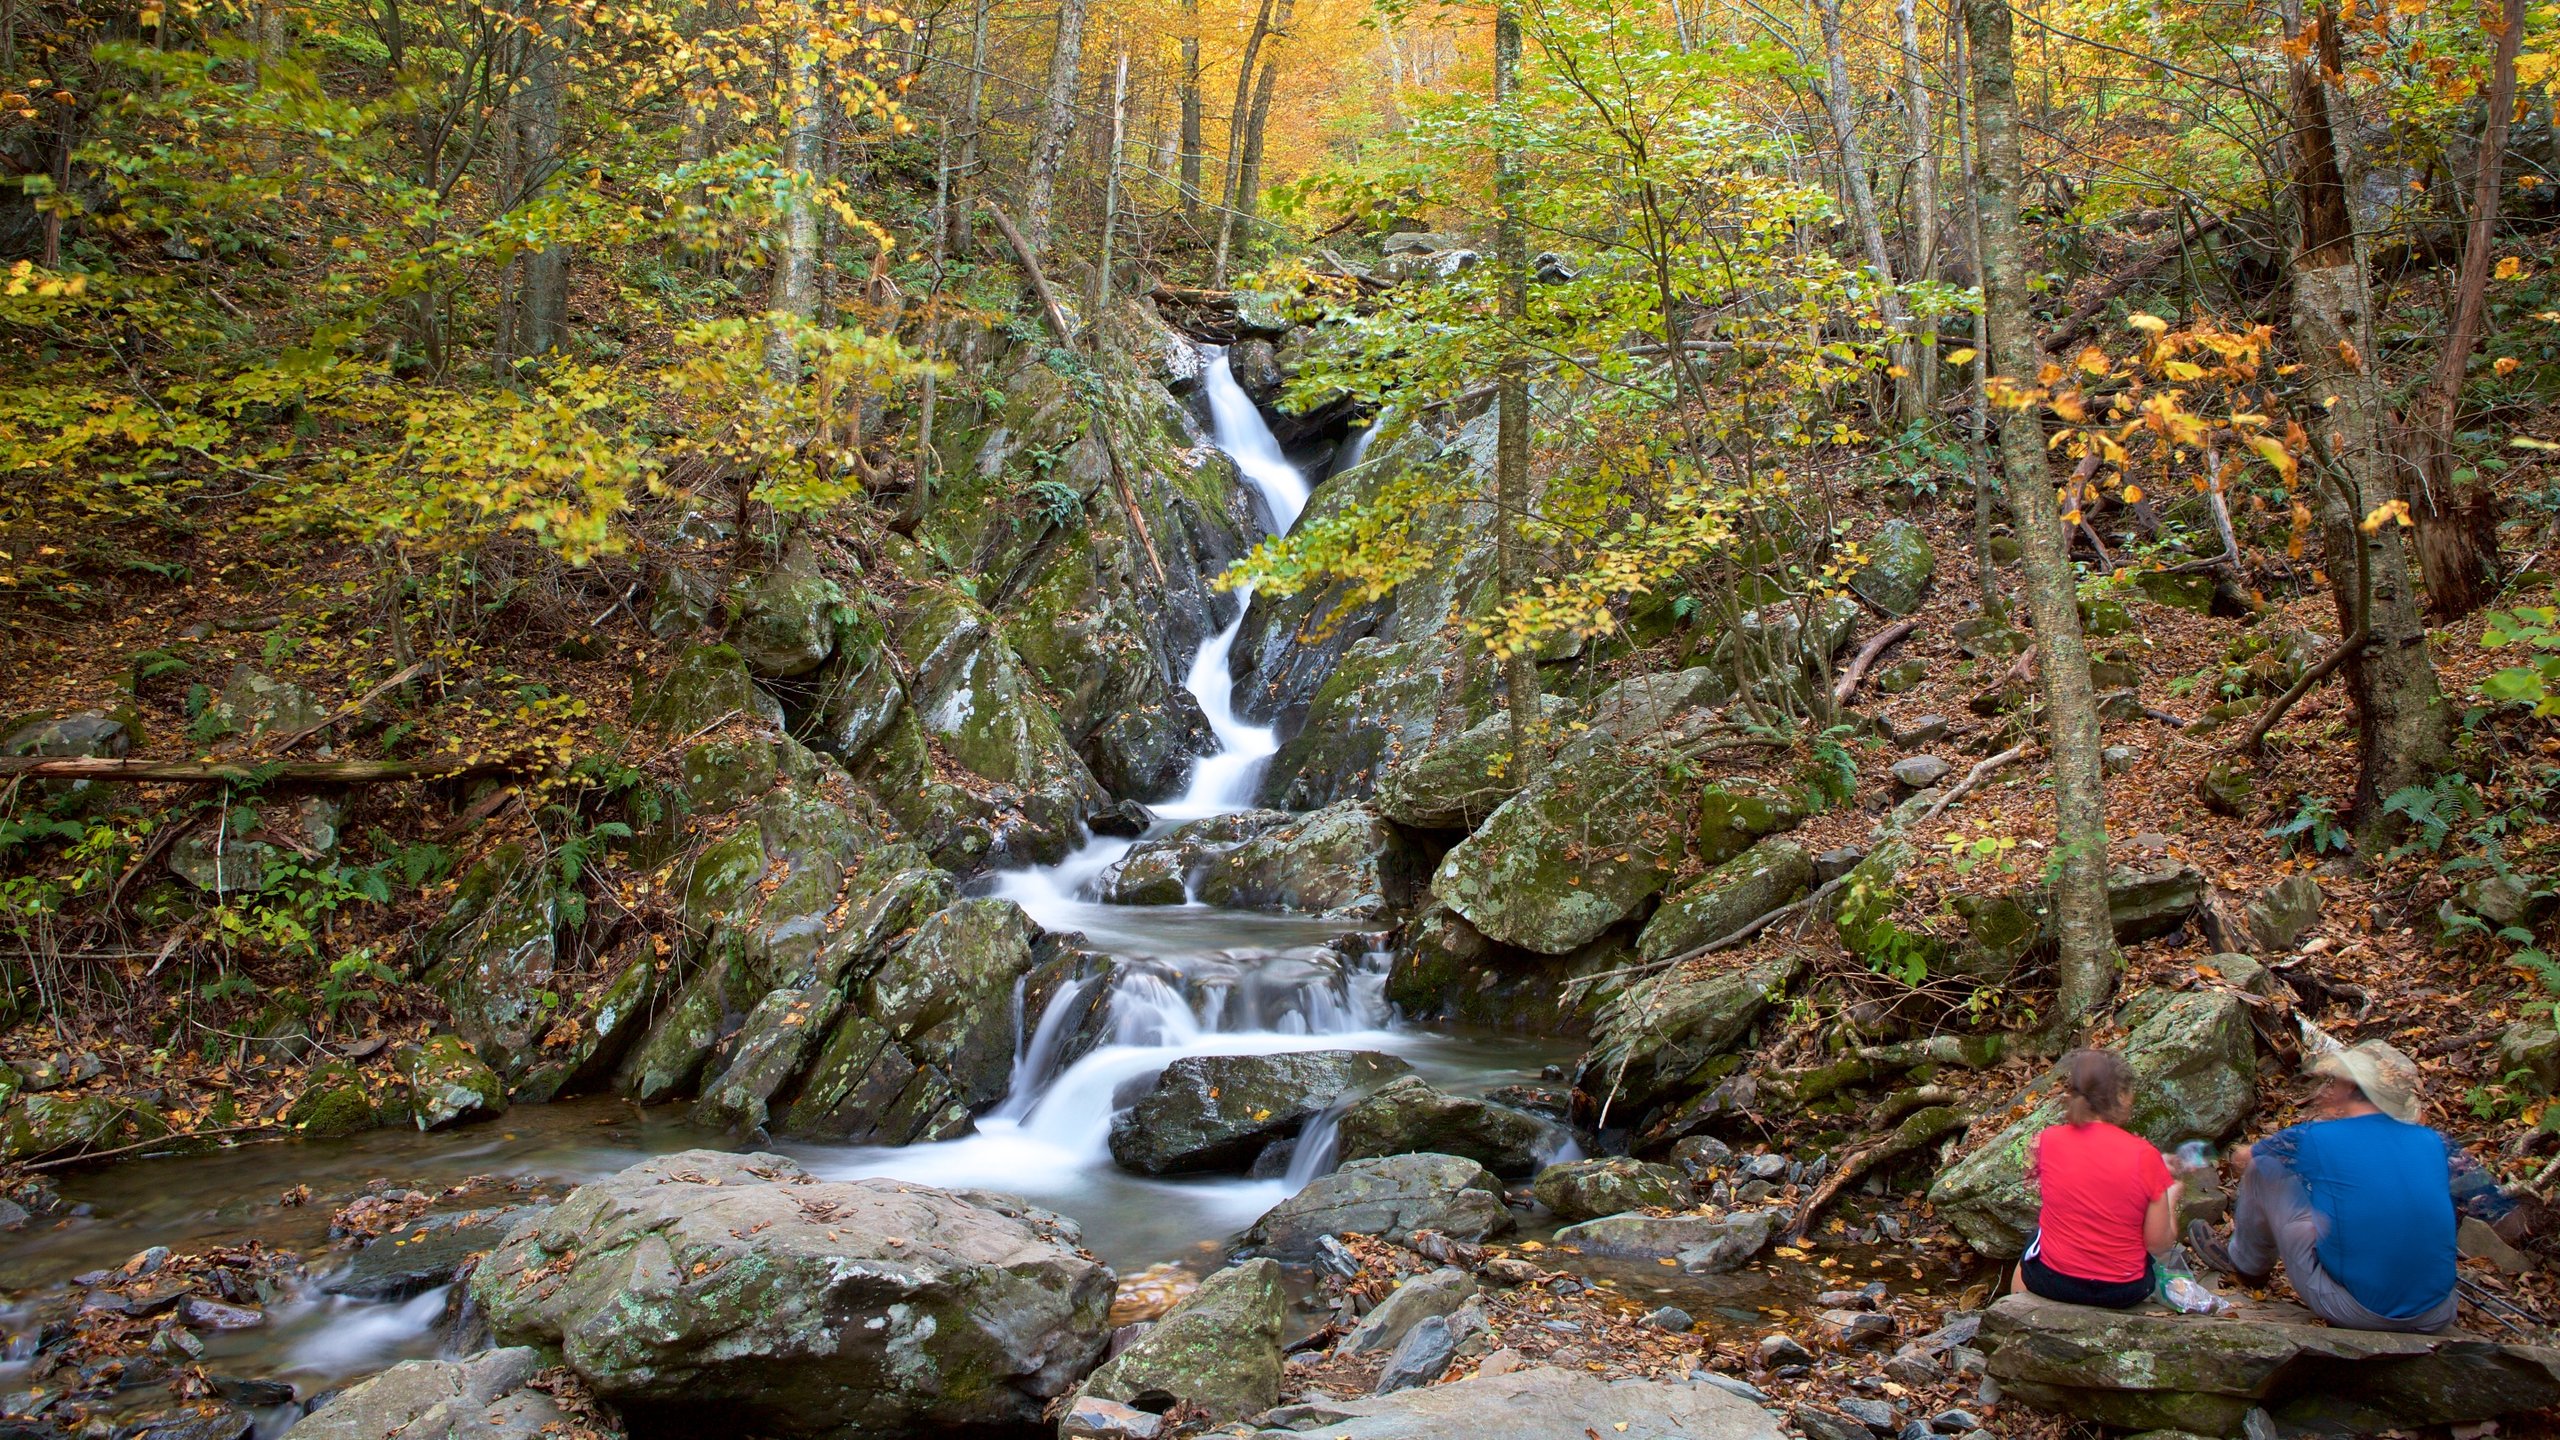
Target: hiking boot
2214,1252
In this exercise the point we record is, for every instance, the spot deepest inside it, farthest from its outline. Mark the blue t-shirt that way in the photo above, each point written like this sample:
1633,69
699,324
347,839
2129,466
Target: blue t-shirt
2383,1188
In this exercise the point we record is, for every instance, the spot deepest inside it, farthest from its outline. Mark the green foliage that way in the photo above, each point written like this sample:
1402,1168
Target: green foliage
1057,504
2313,826
2534,685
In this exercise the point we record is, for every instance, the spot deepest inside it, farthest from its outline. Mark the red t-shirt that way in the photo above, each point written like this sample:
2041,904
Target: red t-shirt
2098,1183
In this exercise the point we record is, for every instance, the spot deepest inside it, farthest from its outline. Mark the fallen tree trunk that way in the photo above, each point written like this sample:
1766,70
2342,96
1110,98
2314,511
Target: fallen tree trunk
1918,1131
243,772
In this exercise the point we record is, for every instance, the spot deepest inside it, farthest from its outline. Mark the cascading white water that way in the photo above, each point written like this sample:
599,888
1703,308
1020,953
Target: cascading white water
1186,980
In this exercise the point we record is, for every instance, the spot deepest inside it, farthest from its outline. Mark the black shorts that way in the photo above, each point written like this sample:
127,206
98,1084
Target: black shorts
2052,1284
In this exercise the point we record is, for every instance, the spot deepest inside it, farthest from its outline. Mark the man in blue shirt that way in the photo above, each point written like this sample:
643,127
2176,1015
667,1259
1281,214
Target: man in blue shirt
2357,1202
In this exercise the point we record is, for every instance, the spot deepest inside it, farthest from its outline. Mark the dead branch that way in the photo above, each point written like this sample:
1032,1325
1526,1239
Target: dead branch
1856,669
1917,1131
239,772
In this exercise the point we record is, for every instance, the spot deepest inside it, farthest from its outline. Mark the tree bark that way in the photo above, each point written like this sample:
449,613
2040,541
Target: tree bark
1111,185
1511,434
795,263
1837,99
542,309
2401,724
2458,522
964,171
1057,124
1238,222
2089,959
1921,249
1192,143
1237,118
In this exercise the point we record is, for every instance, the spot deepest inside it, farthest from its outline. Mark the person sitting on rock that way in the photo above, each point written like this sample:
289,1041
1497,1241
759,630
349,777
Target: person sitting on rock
2109,1204
2356,1202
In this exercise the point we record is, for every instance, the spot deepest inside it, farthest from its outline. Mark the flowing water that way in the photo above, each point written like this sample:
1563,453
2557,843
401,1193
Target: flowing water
1187,980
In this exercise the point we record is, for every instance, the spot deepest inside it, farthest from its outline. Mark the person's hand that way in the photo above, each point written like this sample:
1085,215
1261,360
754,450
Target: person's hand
2240,1160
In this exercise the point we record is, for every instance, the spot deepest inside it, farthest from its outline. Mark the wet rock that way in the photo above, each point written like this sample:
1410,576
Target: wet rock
1217,1353
2153,1371
1127,820
1094,1418
1856,1327
419,1257
934,994
1919,772
1728,897
1377,702
1531,1403
704,1282
38,1125
1218,1112
1654,1038
333,1102
1257,370
1391,1197
779,616
1701,1245
1341,861
1581,1189
1900,563
1670,1318
448,1084
2195,1077
1406,1116
484,1397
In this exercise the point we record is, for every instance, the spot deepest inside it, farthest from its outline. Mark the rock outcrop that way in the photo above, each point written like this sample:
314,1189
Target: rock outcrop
1217,1112
483,1397
738,1291
1390,1197
1582,1189
1539,1403
1217,1353
1408,1117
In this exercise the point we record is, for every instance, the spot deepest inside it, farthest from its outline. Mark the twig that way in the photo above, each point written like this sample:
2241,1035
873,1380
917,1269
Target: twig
356,706
1917,1131
1979,773
173,1138
1873,650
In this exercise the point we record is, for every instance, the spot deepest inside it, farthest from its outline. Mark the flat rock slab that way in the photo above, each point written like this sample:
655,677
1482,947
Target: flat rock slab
1541,1403
2149,1369
426,1253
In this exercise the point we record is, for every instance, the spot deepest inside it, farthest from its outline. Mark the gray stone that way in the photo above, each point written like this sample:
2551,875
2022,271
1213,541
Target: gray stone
1340,861
1728,897
224,861
780,620
2288,910
1876,1415
703,1282
1218,1112
1454,785
1420,1357
1899,565
707,684
427,1253
483,1397
1671,1318
1093,1418
1391,1197
1438,1292
1533,1403
1702,1156
1406,1116
448,1084
1653,1039
1731,1385
1582,1189
1777,1350
2532,1051
1818,1423
1919,772
2117,759
1701,1245
2143,1370
1217,1353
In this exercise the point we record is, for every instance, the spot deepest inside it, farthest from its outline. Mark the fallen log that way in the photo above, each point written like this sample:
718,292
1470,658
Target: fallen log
1856,670
1918,1130
249,772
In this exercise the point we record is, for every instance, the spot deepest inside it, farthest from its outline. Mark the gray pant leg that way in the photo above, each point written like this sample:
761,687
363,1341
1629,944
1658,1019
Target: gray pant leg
2272,1220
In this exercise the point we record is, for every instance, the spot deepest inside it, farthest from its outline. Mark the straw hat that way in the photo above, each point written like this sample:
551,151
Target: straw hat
2388,1078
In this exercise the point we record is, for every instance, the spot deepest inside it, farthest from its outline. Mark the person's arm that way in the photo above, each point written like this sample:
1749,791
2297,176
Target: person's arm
2160,1222
2475,1191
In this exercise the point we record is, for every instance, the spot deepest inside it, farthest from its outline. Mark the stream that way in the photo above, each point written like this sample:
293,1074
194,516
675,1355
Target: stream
1191,980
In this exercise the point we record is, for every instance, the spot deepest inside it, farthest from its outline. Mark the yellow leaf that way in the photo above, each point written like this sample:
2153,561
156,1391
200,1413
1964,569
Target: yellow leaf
2507,365
2147,324
2384,513
2094,361
1962,355
2132,494
2183,370
2510,268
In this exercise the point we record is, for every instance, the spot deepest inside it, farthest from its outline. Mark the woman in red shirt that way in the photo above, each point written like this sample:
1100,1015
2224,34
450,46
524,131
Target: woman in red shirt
2109,1204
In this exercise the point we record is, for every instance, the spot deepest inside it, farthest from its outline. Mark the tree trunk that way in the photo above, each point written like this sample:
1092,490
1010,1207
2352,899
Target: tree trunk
1192,143
1836,98
1057,124
2089,959
964,172
542,304
1111,185
2401,725
1921,248
795,262
2458,521
1236,124
1511,435
1248,199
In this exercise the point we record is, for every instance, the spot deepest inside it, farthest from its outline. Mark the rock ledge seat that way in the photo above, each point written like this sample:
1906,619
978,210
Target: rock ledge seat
2152,1369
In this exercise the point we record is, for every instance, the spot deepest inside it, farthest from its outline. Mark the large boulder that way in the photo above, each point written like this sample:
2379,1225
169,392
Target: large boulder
1217,1112
1438,1292
1217,1353
1599,833
1456,783
1728,897
1698,1244
2195,1078
36,1125
2146,1370
1390,1197
1582,1189
780,618
1657,1039
1341,861
1408,1117
736,1290
448,1084
1447,969
707,684
501,955
482,1397
1899,565
1538,1403
1377,703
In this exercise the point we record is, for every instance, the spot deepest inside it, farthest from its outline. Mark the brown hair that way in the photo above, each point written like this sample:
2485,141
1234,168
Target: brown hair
2101,1080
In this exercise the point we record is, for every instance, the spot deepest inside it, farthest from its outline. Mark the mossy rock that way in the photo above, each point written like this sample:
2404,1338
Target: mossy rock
333,1103
781,619
2180,590
1217,1353
1900,564
707,684
448,1084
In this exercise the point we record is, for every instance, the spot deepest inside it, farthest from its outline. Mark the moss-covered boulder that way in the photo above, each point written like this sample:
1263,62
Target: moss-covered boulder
2195,1078
448,1084
1376,705
1581,1189
1456,783
780,616
1900,563
222,860
1446,969
705,685
705,1283
939,992
1390,1197
1599,833
500,960
1217,1353
1408,1117
1217,1112
606,1012
38,1124
334,1102
1656,1041
1769,874
1342,860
